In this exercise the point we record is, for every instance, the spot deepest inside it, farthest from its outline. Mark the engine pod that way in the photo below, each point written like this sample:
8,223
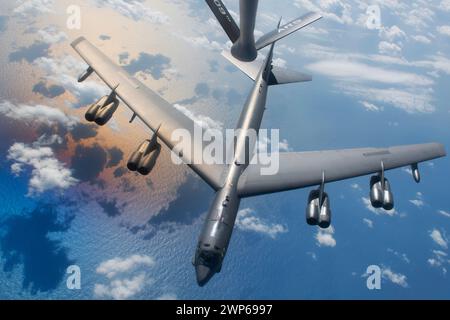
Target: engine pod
91,113
312,209
105,113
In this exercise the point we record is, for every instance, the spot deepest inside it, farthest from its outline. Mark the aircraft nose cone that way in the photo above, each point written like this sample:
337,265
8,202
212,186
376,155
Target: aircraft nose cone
203,273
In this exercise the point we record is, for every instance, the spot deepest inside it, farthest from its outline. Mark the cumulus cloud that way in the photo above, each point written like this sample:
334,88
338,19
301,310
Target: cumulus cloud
52,35
421,39
64,71
439,238
337,10
368,222
395,278
127,277
167,296
113,267
389,48
204,42
324,238
440,260
121,289
33,7
444,30
377,211
399,255
201,120
47,172
418,202
247,221
370,106
134,9
37,114
412,101
444,213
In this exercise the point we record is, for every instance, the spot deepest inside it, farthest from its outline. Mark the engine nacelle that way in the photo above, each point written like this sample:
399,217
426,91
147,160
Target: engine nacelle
102,111
312,210
148,161
388,201
381,197
317,213
325,213
376,192
105,113
92,111
144,158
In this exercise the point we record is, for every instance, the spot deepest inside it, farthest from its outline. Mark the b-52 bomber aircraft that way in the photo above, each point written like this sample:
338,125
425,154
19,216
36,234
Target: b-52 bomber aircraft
237,180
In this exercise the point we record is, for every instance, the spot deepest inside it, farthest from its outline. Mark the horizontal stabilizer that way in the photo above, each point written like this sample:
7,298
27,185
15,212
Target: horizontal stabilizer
284,76
225,19
278,76
287,29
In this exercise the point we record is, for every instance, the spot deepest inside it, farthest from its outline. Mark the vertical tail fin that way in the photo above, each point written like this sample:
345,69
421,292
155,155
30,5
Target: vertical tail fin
225,19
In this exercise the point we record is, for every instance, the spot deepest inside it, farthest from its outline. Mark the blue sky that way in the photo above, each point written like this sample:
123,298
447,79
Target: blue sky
67,200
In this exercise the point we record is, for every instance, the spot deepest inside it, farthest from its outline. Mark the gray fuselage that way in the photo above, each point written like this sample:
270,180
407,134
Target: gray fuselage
218,227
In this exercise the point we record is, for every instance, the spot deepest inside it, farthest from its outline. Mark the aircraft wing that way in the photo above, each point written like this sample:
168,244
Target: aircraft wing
305,169
153,110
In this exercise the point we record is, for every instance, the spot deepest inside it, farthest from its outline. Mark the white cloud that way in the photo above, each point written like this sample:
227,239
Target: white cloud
380,211
357,72
421,39
444,213
368,222
167,296
51,35
445,5
438,238
418,202
336,10
247,221
439,260
121,289
65,71
134,9
389,48
444,30
33,7
204,42
201,120
127,277
412,101
396,278
115,266
47,173
356,186
402,256
370,106
324,238
393,33
37,114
